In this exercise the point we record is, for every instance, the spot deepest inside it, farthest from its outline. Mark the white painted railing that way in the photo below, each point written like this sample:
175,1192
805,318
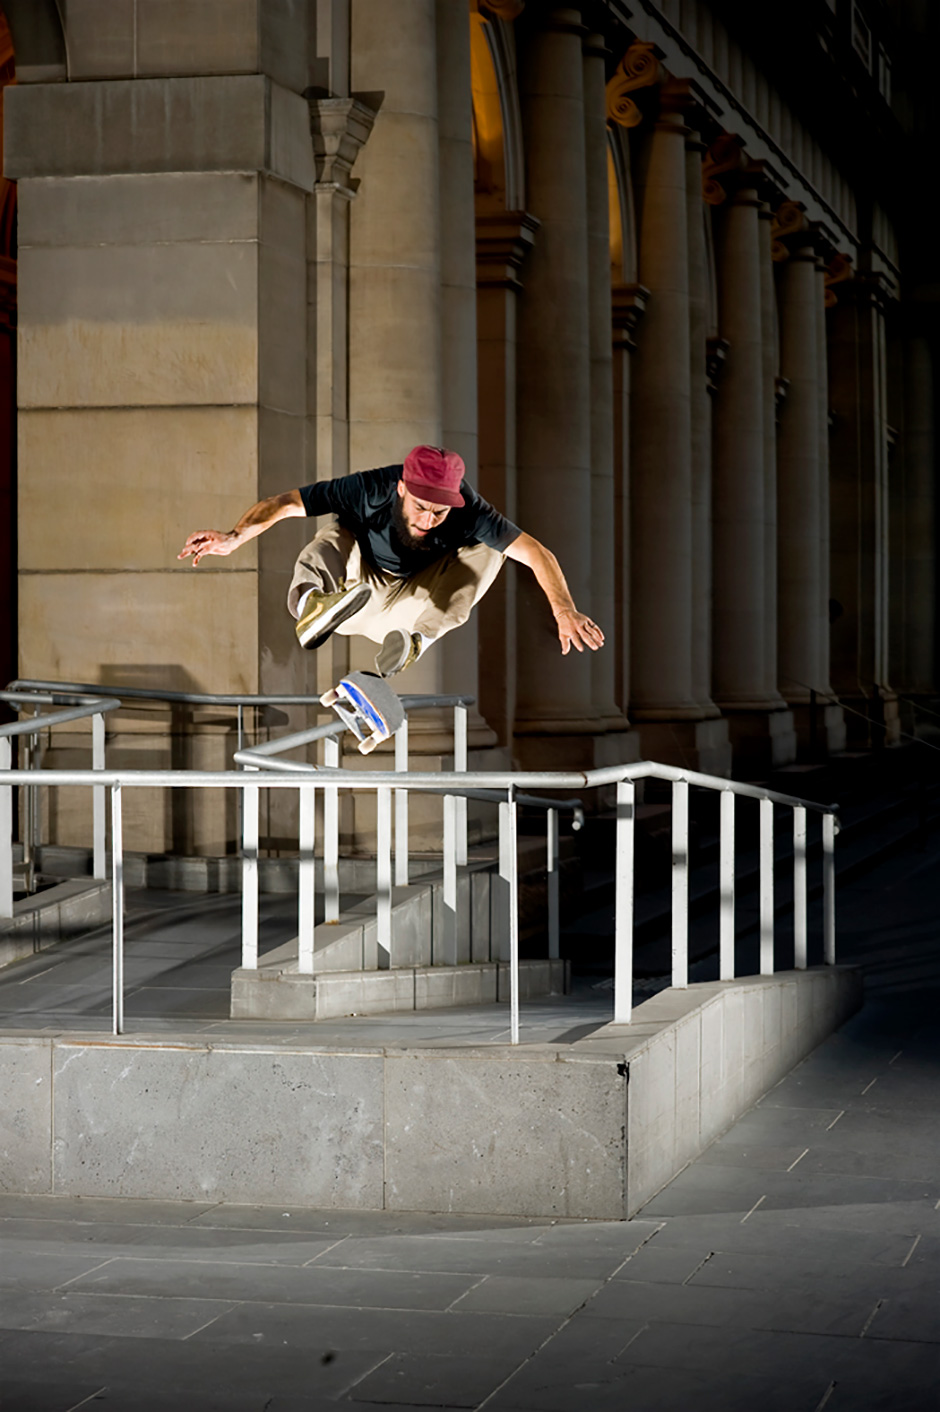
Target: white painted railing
509,785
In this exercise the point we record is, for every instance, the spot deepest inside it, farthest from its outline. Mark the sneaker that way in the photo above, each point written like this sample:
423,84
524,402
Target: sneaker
323,613
397,652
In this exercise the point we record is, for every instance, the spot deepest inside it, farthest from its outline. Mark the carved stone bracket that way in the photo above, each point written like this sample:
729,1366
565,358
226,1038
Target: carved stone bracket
838,271
716,351
640,68
789,220
725,158
504,9
339,128
503,241
628,305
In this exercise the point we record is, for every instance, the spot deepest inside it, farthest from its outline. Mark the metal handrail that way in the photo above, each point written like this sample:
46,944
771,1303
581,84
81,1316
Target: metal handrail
97,708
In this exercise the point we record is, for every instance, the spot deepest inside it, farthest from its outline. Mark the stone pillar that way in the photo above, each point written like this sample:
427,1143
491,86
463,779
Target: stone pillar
700,432
833,717
555,710
502,243
603,528
914,499
662,689
860,551
798,493
162,385
629,304
743,679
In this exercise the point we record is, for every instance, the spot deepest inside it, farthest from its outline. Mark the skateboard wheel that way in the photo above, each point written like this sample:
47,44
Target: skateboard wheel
329,698
368,745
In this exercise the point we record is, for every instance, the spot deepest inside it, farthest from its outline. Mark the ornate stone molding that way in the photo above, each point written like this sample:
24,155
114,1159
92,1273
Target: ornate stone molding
640,68
503,241
339,128
789,220
725,158
628,305
504,9
838,271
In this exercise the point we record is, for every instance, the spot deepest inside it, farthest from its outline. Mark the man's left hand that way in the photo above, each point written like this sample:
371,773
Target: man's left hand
577,630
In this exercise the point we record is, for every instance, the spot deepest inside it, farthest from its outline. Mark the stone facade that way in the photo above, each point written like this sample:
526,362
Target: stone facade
610,253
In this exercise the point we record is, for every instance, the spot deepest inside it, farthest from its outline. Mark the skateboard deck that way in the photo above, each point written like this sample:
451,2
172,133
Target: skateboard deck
367,706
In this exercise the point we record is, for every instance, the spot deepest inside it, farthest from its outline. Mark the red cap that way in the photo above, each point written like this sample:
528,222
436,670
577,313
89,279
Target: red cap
434,474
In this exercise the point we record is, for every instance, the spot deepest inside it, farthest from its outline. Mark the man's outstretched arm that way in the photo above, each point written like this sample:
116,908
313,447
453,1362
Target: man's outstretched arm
574,629
254,522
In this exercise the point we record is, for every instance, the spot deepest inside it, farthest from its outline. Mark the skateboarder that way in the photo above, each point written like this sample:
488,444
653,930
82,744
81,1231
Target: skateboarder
411,550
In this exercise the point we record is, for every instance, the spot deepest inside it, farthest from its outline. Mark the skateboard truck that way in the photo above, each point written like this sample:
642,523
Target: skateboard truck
368,707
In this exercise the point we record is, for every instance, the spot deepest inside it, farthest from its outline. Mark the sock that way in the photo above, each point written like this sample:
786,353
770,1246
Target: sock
302,601
423,644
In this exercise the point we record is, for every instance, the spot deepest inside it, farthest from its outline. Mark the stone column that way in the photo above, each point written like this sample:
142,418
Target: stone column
629,304
554,702
660,451
503,241
860,550
914,566
833,717
603,529
701,431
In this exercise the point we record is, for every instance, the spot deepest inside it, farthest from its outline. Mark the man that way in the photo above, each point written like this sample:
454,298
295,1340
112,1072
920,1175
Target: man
412,548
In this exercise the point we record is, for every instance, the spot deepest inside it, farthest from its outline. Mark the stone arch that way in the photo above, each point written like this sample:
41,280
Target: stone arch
499,163
38,34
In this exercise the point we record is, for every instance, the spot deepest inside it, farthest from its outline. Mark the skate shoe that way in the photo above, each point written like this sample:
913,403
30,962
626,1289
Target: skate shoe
323,613
397,652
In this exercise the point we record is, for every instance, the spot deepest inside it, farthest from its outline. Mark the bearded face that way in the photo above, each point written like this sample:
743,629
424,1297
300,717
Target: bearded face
417,543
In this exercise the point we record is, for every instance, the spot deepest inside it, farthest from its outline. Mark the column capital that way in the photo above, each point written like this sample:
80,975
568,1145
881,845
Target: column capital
789,231
503,241
503,9
639,71
339,128
838,271
725,158
628,305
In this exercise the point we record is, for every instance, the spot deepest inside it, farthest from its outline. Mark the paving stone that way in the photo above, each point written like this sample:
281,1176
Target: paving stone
455,1332
277,1283
442,1253
510,1295
430,1379
129,1315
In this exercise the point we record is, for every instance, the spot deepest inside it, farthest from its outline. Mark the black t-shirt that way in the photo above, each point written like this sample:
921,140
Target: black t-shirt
363,504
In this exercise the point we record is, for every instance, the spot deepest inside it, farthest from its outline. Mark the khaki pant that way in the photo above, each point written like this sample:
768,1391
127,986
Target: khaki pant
432,602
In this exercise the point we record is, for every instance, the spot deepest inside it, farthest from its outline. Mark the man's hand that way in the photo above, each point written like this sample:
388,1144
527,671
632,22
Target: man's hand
209,542
577,630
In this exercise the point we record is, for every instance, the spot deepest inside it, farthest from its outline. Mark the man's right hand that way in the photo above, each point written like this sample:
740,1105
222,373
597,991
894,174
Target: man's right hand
209,542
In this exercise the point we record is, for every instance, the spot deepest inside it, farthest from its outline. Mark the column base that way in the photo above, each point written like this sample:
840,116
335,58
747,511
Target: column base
821,729
762,740
696,745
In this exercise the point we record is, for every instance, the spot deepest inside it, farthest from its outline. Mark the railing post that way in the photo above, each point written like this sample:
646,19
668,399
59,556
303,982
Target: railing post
680,884
99,864
250,840
401,807
623,921
829,888
331,836
766,887
306,880
117,912
509,869
460,764
446,954
551,863
799,888
6,834
726,886
383,874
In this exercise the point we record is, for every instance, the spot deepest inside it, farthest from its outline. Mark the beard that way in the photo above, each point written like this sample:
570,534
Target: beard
415,543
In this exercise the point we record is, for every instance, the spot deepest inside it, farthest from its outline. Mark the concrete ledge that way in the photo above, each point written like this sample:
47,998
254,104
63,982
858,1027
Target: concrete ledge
589,1129
60,912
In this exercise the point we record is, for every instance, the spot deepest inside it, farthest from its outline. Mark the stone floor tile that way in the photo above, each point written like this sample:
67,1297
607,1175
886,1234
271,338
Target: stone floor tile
432,1380
276,1283
641,1302
91,1209
18,1395
757,1156
663,1264
128,1315
508,1294
465,1256
328,1329
372,1223
47,1270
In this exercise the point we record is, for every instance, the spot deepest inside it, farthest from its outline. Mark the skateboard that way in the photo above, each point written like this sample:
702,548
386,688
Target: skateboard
367,706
